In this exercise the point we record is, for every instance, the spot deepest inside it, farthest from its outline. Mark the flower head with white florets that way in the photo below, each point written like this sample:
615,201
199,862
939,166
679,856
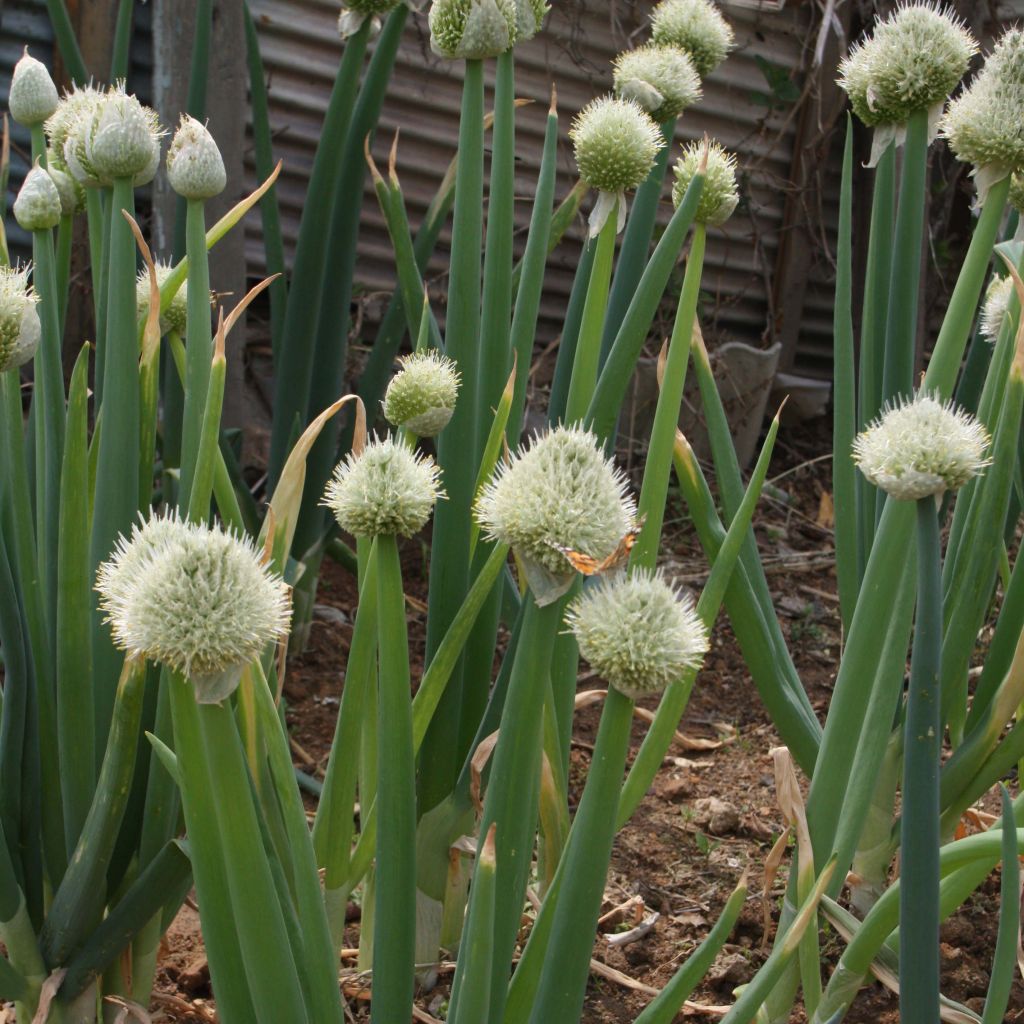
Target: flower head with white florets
194,598
615,142
720,194
985,123
19,319
638,632
912,62
175,316
385,490
696,27
661,79
993,310
421,396
561,492
354,13
921,447
472,29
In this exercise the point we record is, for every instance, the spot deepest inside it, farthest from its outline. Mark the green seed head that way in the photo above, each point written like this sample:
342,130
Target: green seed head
661,79
720,193
194,598
19,319
195,168
530,15
695,26
921,447
175,316
472,29
72,195
421,396
985,123
638,633
615,143
993,311
33,96
912,62
386,490
37,207
561,492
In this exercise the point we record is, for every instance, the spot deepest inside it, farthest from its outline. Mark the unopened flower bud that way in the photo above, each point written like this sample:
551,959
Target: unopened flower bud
472,29
122,140
695,26
530,15
195,168
33,96
19,319
72,195
560,494
37,207
661,79
194,598
355,12
720,194
638,633
421,396
386,489
175,316
921,447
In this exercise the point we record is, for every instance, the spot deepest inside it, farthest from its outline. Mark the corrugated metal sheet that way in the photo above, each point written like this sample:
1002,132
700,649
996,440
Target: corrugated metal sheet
301,52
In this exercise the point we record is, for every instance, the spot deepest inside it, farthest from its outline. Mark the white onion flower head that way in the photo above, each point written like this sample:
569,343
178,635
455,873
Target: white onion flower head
985,123
175,316
195,167
638,632
194,598
19,318
530,15
560,492
75,108
72,195
421,397
993,310
662,79
472,29
615,142
696,26
720,194
921,447
355,12
387,489
33,96
912,62
38,206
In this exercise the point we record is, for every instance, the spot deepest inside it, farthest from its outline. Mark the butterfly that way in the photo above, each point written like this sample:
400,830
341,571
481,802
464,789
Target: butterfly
590,566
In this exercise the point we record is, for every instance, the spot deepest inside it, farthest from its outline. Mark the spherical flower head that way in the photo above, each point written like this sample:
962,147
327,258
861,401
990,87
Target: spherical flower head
985,123
355,12
75,109
695,26
921,447
33,96
912,62
530,15
472,29
175,316
387,489
615,142
661,79
195,167
72,195
37,207
560,493
19,319
194,598
638,632
421,396
121,140
993,310
720,194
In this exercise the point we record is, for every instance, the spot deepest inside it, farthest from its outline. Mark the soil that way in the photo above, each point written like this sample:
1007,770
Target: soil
711,815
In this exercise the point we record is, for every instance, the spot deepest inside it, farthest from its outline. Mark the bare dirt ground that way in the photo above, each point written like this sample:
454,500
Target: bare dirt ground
711,814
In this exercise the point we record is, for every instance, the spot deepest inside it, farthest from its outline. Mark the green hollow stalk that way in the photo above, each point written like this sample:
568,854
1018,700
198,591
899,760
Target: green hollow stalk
566,357
459,443
199,343
96,223
919,838
293,376
1004,959
512,793
67,42
395,881
65,237
587,358
17,931
120,57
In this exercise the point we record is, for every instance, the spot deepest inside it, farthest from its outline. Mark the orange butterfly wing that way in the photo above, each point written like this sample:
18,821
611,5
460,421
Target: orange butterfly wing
590,566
